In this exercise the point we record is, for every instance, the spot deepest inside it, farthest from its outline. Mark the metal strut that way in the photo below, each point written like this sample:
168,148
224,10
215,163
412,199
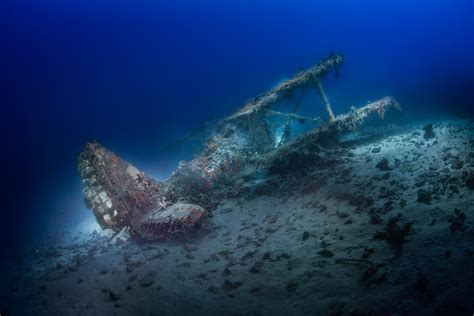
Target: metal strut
322,93
287,127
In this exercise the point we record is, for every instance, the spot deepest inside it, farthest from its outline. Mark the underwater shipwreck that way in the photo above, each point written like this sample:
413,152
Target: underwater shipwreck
252,144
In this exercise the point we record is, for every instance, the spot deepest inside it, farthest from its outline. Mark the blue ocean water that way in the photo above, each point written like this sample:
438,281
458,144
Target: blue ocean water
137,74
392,234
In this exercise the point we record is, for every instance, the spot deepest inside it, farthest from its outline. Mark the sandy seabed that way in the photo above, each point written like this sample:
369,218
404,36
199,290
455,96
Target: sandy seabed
388,231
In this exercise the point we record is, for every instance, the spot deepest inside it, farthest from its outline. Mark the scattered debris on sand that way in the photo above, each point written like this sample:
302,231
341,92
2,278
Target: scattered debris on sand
377,226
289,251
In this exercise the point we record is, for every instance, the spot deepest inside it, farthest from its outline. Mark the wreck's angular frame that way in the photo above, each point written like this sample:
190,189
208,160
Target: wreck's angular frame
122,197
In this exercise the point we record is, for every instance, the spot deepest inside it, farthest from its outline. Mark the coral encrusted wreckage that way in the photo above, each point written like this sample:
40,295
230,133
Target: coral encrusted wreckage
244,144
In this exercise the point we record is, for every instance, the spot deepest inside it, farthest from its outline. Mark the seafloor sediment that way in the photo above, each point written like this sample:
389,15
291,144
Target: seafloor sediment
386,231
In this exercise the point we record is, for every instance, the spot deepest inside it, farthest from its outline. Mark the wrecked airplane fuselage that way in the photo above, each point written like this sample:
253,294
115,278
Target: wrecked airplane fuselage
121,196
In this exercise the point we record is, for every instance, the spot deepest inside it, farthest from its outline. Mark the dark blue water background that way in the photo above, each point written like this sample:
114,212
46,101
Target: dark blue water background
136,74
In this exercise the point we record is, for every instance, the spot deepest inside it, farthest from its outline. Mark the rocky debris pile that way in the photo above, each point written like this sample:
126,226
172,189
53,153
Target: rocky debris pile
373,275
457,221
383,165
469,181
424,196
395,233
429,133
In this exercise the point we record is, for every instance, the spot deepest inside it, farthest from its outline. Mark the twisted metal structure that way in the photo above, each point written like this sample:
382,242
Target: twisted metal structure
121,196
